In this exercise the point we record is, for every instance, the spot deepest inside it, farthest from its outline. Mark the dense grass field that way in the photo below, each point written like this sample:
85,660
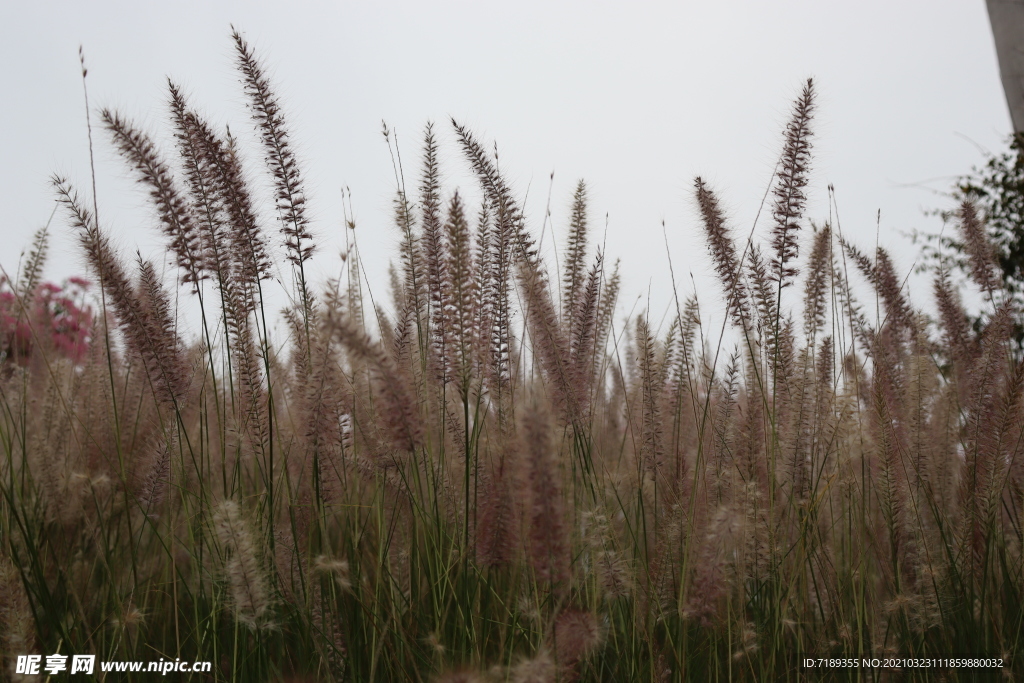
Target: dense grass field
499,476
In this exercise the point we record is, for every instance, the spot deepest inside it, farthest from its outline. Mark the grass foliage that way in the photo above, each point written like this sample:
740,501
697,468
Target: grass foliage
498,478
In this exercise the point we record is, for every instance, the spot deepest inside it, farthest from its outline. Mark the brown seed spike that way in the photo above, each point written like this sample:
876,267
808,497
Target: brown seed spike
401,409
577,635
496,532
284,167
143,316
433,248
723,252
816,287
459,290
542,482
576,254
172,208
790,197
979,249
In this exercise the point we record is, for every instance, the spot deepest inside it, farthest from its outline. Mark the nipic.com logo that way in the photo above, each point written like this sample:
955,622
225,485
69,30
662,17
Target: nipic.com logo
32,665
55,664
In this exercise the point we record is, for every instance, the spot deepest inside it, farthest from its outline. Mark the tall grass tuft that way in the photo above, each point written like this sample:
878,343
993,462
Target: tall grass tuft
498,476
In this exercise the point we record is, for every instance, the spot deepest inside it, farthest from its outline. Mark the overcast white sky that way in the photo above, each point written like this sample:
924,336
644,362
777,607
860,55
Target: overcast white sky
637,98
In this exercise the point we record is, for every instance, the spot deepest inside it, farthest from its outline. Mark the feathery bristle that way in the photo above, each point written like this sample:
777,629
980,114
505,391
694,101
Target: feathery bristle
954,322
882,275
161,328
608,299
539,669
496,530
249,244
32,270
251,407
330,635
412,299
199,179
575,254
507,243
982,457
549,550
789,190
433,245
401,409
494,259
550,344
460,294
652,448
172,208
507,213
324,403
764,296
334,568
723,252
284,167
583,333
247,581
148,328
891,448
233,238
981,255
577,636
999,443
153,488
817,286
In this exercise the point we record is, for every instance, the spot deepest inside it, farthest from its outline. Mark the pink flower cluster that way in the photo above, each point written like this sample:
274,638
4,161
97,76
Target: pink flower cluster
52,315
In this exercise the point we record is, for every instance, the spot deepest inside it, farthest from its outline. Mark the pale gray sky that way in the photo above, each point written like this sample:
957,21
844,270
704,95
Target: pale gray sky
637,98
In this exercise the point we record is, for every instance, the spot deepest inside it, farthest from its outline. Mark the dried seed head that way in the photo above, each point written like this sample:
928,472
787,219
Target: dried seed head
247,581
129,621
336,568
433,641
577,635
748,643
540,669
613,573
548,540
